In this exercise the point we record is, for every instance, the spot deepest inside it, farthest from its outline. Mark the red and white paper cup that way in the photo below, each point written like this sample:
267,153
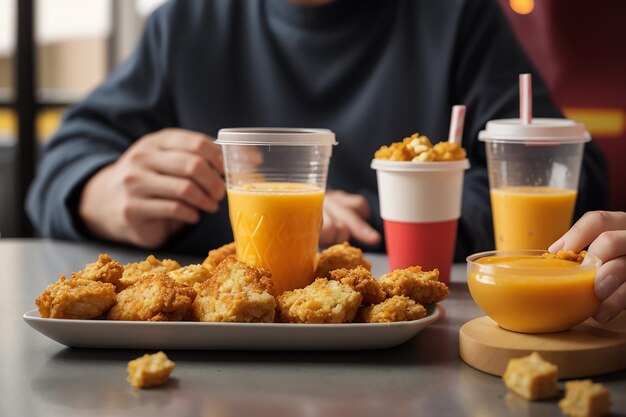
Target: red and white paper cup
420,204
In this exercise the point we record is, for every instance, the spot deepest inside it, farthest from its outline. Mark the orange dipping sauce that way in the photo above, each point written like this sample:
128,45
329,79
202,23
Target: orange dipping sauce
525,292
277,226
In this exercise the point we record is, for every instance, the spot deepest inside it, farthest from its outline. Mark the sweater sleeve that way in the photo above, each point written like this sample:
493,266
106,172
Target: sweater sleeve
486,64
132,102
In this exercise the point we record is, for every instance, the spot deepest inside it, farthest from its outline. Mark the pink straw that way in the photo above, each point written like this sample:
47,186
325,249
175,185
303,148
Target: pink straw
525,99
456,124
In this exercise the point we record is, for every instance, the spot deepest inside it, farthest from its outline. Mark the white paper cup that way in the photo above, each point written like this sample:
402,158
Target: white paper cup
420,204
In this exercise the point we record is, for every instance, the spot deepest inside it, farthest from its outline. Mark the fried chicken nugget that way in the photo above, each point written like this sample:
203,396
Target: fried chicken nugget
323,301
76,298
155,297
396,308
340,256
421,286
361,280
135,270
190,274
104,269
216,256
236,293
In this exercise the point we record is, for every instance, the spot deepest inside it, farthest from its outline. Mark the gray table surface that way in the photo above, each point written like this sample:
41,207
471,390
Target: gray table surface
425,376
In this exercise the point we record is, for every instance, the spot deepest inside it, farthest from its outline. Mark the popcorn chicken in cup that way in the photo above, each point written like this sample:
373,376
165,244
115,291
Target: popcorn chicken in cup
420,188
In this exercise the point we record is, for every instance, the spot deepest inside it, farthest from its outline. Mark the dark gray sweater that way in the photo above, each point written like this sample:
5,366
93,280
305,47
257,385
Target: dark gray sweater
372,71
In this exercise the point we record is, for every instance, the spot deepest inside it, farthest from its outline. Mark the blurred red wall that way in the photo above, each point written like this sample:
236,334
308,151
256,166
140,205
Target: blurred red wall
579,47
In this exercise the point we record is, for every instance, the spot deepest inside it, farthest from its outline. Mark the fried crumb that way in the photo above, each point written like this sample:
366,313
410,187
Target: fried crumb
76,298
422,287
396,308
323,301
150,370
340,256
567,255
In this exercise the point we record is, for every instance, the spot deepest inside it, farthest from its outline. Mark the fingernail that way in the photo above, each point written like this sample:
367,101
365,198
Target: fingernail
556,246
606,286
602,315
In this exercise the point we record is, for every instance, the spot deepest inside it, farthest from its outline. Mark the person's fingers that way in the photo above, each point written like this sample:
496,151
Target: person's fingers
250,154
163,186
610,277
192,142
343,233
609,245
154,208
588,228
148,233
612,306
173,226
340,231
183,164
328,230
356,202
357,227
351,210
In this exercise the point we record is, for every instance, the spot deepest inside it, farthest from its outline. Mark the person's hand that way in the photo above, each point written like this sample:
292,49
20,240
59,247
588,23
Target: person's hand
345,218
605,233
158,185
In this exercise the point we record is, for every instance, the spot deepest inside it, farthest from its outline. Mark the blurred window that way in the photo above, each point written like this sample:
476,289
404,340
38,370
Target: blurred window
72,54
7,45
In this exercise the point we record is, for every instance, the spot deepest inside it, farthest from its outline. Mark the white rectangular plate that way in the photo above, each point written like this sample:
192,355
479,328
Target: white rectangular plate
235,336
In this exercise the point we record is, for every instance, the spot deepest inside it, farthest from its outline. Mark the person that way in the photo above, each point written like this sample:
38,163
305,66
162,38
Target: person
135,161
605,234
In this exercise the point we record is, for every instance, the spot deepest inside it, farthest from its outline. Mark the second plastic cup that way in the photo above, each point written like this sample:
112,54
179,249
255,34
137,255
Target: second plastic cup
275,180
420,204
533,178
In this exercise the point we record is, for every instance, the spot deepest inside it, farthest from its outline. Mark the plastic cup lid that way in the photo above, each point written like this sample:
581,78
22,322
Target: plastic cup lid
552,131
276,136
410,166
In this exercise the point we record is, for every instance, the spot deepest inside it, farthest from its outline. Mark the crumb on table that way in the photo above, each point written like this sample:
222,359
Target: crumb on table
531,377
585,399
149,370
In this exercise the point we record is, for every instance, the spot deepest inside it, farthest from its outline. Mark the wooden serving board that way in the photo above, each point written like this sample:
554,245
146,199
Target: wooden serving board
586,350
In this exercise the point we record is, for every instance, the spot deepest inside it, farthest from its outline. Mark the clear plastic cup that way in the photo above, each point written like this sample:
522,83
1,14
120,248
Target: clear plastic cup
420,204
275,180
533,179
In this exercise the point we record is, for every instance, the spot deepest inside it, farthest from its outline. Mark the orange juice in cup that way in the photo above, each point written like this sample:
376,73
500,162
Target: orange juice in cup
275,179
277,226
531,217
533,179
